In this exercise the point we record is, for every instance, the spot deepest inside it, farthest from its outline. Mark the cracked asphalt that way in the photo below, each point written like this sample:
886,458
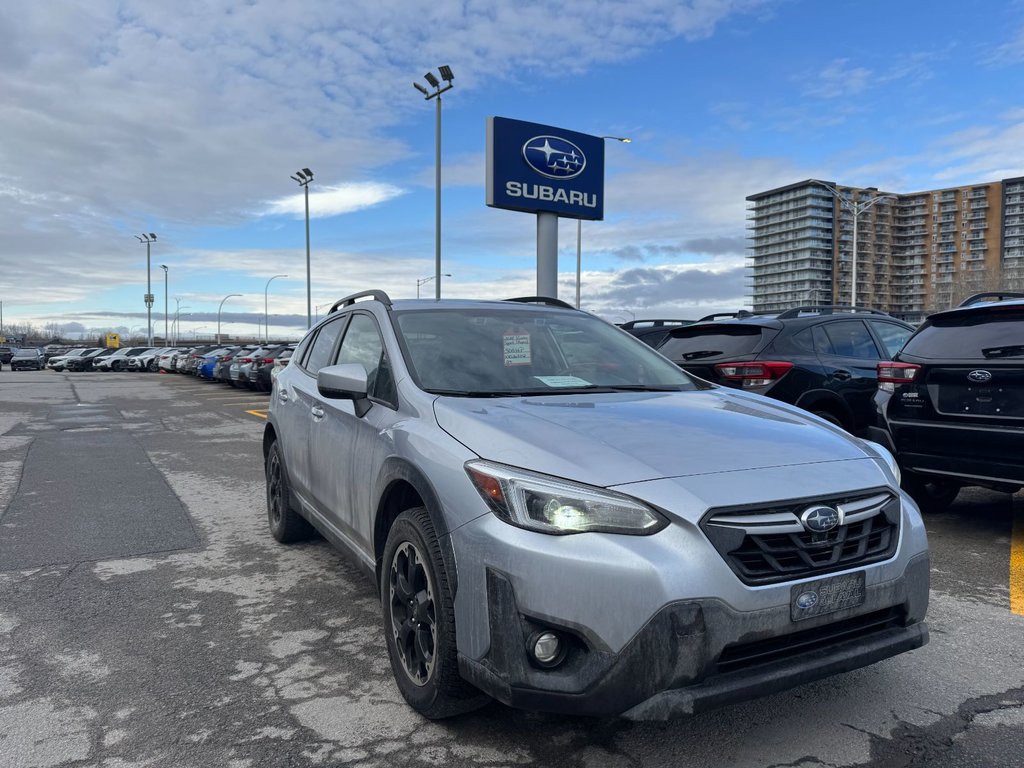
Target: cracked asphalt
148,619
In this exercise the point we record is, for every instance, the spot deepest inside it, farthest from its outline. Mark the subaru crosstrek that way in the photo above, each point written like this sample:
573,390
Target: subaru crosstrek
558,517
951,403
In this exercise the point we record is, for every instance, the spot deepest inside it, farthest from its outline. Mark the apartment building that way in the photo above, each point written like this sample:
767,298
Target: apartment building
917,252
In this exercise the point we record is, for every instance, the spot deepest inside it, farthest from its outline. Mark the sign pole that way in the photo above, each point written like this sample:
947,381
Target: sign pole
547,255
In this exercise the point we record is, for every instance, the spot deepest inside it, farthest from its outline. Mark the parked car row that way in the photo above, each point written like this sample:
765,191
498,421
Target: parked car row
947,398
250,366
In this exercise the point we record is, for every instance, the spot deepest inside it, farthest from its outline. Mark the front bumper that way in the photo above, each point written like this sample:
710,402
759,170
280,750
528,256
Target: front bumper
694,655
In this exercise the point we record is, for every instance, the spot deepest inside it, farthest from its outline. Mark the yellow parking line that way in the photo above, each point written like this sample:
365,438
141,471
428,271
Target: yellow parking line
1017,565
261,414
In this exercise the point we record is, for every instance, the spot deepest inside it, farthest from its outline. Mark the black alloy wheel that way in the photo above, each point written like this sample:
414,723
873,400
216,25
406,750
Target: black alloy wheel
412,609
418,611
286,525
932,494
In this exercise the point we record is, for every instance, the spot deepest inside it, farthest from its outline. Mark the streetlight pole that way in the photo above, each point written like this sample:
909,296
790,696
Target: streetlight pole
266,316
148,239
425,280
579,228
448,77
856,208
164,268
304,176
177,317
218,312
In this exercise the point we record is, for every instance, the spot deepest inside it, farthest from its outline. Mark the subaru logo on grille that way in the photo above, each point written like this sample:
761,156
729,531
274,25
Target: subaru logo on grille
806,600
821,519
980,376
554,158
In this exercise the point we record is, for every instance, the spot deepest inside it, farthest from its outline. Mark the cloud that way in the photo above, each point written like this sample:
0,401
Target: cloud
335,200
1009,53
838,78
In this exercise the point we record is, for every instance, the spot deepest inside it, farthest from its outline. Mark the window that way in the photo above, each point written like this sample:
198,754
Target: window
362,345
850,338
893,336
323,346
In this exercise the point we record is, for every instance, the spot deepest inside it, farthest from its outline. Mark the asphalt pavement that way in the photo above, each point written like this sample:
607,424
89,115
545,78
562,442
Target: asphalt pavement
147,618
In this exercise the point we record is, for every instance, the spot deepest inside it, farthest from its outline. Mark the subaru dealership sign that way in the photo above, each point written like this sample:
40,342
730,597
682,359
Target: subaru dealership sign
542,169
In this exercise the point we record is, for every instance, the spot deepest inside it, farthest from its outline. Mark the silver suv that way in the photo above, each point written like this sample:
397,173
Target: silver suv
557,517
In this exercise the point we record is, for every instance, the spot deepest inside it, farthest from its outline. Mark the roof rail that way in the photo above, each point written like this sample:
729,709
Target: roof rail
826,309
653,323
380,296
979,298
542,300
716,315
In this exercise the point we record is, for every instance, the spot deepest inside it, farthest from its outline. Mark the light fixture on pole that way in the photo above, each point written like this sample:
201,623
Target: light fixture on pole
856,208
218,312
147,239
304,176
579,228
425,280
266,316
166,338
448,77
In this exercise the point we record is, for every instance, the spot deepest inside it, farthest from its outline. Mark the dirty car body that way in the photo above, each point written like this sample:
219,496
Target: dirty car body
559,518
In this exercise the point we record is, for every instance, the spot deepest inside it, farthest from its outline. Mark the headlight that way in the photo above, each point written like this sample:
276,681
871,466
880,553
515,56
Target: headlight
550,505
886,456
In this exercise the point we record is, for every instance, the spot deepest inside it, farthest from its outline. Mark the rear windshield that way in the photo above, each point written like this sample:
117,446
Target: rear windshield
710,341
975,336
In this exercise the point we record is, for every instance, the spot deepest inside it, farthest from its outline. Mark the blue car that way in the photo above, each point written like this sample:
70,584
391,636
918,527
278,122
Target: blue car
209,362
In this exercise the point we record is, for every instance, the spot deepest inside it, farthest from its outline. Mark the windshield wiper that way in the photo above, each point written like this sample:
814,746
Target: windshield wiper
701,353
478,393
1011,350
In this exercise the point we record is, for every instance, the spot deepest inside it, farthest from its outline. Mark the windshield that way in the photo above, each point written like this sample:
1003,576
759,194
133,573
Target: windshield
485,351
699,342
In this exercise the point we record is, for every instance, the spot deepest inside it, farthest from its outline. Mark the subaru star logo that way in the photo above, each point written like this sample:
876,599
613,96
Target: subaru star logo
806,600
554,158
821,519
980,376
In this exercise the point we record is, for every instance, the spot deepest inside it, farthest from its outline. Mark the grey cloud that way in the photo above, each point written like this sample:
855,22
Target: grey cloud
648,287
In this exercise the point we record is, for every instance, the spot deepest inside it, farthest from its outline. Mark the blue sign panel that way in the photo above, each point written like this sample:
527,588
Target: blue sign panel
539,168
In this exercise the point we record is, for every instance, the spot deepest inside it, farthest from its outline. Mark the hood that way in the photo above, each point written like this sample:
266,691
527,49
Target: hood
610,439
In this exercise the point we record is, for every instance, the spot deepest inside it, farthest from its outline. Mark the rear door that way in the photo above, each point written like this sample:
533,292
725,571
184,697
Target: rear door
972,366
850,355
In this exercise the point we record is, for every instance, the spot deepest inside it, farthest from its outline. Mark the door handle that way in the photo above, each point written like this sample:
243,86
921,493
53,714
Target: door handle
842,375
317,411
283,395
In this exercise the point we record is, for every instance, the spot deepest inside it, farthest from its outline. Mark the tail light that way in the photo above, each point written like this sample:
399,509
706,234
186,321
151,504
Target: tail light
890,374
754,374
268,360
246,359
284,362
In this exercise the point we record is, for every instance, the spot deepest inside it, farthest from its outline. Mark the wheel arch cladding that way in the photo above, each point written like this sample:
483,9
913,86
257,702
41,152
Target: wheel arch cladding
402,486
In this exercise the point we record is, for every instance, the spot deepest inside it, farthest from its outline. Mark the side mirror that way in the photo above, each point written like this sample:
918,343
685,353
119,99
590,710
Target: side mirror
342,382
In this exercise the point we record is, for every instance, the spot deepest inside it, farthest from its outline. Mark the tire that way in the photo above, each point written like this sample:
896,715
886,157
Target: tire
931,494
153,364
418,611
286,525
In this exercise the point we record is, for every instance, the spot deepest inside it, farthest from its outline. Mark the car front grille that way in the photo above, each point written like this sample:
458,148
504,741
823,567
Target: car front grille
768,545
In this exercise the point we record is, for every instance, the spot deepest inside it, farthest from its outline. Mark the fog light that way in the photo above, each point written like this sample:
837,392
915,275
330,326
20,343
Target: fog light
547,648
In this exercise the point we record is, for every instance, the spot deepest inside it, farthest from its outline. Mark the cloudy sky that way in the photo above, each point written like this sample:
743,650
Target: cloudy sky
186,119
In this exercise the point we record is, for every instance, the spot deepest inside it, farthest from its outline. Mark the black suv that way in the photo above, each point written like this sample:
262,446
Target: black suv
950,405
820,358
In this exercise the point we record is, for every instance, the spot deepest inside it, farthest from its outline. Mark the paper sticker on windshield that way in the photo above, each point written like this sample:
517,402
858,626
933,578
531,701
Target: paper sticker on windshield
517,348
563,381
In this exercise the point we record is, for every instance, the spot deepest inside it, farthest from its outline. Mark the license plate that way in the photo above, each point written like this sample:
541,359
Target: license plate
816,598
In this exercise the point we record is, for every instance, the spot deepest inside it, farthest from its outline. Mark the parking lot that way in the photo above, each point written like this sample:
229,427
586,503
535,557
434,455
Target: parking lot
148,619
